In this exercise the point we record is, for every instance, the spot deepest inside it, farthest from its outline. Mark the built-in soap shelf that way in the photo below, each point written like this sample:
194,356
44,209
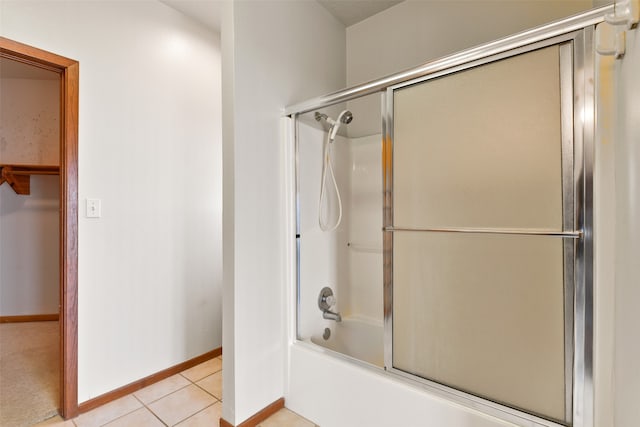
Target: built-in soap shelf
365,247
19,176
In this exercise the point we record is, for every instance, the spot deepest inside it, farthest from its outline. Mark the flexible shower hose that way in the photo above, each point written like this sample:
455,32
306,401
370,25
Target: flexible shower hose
326,167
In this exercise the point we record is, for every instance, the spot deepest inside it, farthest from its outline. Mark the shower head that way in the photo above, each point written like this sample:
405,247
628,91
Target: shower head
345,117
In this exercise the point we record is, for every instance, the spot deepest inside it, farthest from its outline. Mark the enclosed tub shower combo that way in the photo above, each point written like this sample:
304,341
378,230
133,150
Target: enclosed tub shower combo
444,225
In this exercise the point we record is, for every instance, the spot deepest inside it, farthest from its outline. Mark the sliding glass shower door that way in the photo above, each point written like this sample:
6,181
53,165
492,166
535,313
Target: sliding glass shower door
480,233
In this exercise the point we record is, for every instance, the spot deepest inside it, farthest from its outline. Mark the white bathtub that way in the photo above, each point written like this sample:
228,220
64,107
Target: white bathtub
355,337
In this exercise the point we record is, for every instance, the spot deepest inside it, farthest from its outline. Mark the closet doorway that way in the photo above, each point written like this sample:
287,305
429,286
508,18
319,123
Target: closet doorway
68,70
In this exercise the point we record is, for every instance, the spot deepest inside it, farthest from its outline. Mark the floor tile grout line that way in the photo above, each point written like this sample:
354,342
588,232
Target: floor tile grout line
180,373
196,413
208,392
186,418
200,379
175,391
123,415
161,397
144,405
150,410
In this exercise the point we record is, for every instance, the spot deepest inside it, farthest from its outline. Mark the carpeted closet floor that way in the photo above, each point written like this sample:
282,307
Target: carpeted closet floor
29,372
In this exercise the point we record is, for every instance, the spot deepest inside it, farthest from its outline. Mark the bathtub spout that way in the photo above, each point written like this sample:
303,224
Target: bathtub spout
330,315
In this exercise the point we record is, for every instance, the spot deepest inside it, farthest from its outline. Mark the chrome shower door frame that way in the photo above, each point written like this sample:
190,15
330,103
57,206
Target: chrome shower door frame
576,37
577,110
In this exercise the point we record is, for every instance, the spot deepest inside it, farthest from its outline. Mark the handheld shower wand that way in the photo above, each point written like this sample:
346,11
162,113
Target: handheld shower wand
344,117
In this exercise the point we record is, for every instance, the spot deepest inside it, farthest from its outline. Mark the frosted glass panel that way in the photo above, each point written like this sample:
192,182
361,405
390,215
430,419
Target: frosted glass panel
481,148
484,314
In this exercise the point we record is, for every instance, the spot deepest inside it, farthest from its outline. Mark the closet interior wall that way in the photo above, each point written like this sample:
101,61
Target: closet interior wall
29,223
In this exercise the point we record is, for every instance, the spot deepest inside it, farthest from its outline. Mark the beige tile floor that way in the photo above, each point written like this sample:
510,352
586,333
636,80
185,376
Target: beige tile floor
192,398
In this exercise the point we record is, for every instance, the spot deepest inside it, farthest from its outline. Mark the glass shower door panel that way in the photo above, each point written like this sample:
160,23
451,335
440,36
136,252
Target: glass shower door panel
478,153
481,148
483,314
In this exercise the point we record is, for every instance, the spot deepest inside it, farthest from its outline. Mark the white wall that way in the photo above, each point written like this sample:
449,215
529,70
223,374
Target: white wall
627,288
29,227
414,32
150,148
29,248
276,53
30,121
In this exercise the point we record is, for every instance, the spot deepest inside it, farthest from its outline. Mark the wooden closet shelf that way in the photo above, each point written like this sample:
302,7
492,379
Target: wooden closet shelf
19,176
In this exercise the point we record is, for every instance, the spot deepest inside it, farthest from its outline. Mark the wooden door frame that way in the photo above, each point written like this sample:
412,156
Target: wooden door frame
69,73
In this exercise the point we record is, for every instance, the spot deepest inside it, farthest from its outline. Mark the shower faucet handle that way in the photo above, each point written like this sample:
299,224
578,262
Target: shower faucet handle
326,300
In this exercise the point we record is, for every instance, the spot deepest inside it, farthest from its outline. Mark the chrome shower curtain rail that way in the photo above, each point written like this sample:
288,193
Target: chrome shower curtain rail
516,232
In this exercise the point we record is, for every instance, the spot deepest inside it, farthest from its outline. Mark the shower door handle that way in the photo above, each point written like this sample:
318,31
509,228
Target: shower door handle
577,234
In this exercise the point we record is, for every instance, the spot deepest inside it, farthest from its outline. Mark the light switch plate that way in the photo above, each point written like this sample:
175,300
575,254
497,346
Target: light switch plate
94,208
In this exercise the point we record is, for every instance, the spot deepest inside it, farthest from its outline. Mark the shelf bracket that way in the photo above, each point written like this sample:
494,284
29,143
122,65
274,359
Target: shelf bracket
19,176
21,184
